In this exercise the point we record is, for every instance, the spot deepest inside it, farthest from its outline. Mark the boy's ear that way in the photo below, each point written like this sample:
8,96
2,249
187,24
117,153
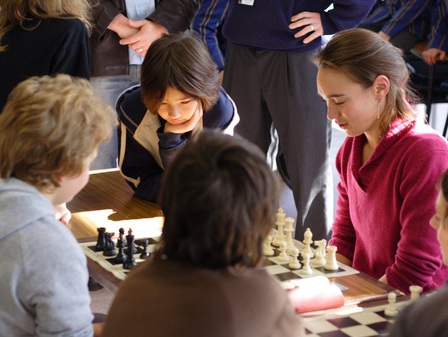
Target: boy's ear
381,85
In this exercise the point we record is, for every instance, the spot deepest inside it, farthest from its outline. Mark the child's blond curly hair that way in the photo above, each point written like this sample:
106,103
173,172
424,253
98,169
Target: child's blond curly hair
49,127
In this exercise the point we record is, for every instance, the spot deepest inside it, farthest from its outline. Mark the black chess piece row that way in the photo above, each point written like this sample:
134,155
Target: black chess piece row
125,256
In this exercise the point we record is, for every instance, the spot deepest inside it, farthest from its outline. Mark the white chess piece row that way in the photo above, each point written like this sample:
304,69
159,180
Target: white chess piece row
324,256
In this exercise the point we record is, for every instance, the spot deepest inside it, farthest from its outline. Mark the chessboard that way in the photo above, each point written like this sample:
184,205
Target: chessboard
353,322
274,264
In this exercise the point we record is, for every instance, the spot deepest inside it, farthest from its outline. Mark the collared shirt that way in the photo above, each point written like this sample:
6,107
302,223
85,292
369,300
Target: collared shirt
138,10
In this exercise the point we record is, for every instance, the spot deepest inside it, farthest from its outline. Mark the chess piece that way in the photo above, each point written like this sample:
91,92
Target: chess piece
120,245
295,264
391,309
126,251
283,257
289,229
129,262
280,237
331,263
99,247
415,292
319,254
306,269
308,240
109,246
145,253
267,248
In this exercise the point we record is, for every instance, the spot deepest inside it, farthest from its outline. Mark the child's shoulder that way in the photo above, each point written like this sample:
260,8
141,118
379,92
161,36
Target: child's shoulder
220,115
129,105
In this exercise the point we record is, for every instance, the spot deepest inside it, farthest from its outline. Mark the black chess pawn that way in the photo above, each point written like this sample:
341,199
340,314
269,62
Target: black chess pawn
145,253
109,247
120,244
101,241
121,234
129,262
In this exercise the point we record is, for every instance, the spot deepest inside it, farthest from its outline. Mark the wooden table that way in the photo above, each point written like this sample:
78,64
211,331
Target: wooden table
107,201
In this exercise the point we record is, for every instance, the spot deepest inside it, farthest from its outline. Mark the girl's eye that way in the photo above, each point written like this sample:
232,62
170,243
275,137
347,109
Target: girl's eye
186,102
339,103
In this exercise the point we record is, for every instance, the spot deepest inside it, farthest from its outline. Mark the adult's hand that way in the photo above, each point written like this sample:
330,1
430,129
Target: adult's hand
148,32
432,55
122,26
309,22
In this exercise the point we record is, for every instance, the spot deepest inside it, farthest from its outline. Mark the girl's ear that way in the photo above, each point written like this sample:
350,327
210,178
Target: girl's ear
381,86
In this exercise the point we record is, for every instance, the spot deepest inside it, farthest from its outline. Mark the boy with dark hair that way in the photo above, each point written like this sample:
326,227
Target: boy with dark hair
219,197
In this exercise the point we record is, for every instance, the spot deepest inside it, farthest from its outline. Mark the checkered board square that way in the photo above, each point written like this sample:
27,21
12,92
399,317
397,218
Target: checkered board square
361,322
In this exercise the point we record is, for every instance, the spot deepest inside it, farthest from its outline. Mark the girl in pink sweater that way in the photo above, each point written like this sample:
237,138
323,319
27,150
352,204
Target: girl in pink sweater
388,165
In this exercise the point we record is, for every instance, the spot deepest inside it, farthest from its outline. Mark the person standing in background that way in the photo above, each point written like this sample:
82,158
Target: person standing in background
123,30
208,24
272,79
403,23
438,41
42,38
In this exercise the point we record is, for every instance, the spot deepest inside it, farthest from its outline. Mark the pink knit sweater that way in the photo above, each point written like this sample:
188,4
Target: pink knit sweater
384,206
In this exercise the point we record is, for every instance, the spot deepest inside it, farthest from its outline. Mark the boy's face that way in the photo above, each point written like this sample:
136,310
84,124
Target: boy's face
177,107
71,185
439,222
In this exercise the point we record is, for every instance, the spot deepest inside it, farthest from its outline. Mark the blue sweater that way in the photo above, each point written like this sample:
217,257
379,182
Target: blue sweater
265,24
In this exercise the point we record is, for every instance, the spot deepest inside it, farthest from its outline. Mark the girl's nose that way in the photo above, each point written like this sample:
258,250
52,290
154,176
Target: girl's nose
174,112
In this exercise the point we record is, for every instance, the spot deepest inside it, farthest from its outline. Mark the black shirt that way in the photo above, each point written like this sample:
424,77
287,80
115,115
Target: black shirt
54,46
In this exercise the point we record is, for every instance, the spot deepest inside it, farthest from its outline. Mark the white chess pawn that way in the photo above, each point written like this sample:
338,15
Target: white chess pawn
289,229
415,292
268,250
308,240
331,263
283,257
391,309
306,269
295,264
